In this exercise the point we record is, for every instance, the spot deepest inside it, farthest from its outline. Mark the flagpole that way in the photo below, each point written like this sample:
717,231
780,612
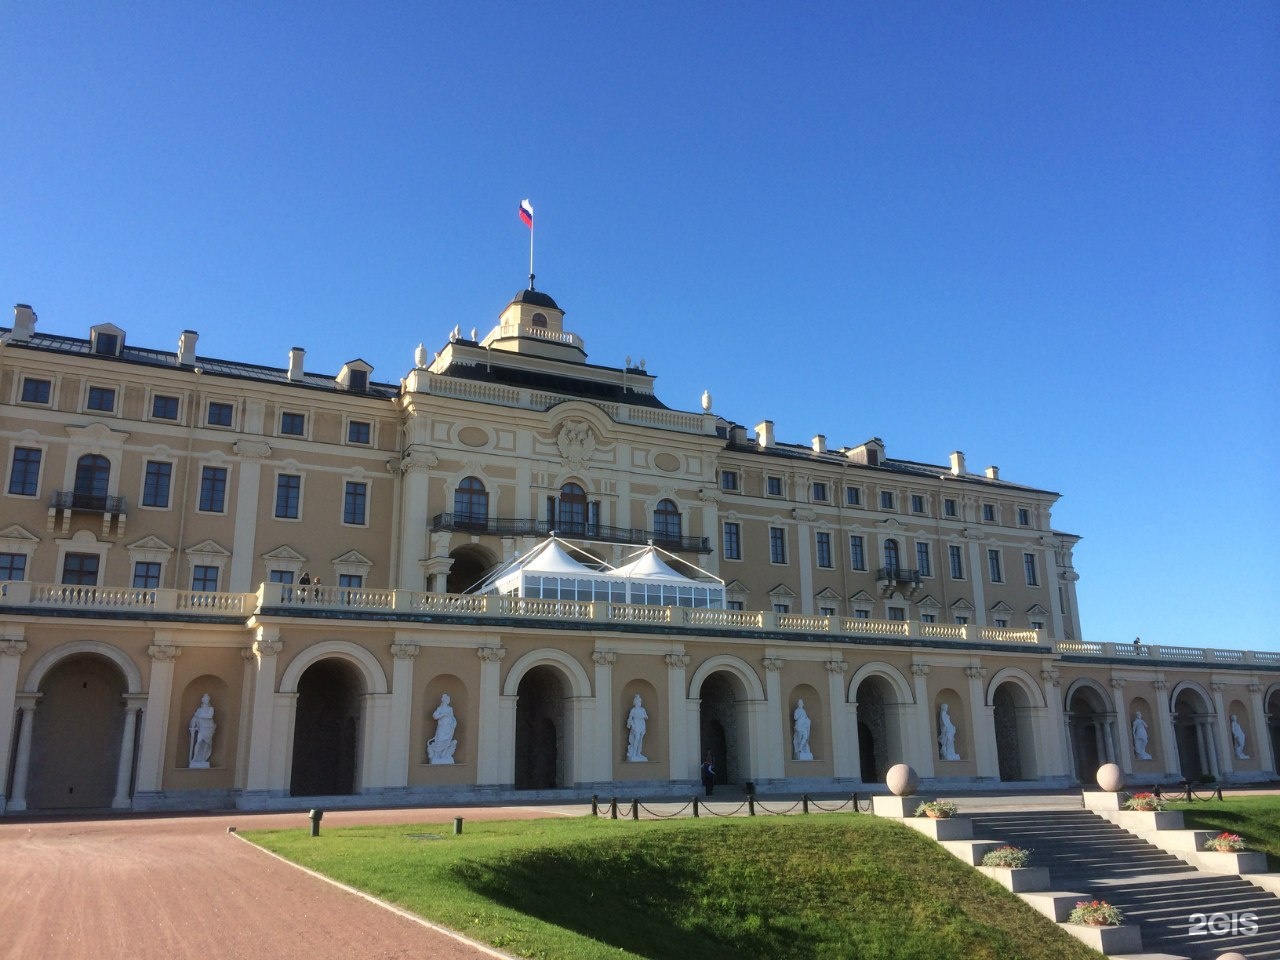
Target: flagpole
531,256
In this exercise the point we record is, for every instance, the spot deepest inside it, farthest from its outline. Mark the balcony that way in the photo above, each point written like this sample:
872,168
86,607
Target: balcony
889,579
63,503
595,532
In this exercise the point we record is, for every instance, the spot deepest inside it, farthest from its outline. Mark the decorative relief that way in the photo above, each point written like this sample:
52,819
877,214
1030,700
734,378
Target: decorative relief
1117,683
164,652
837,666
251,449
975,673
491,654
666,462
604,658
709,496
1217,687
1052,677
405,651
1255,688
12,648
677,659
267,648
772,663
1160,684
576,442
920,669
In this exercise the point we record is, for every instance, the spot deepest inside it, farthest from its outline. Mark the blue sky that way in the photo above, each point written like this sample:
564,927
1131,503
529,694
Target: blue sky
1047,234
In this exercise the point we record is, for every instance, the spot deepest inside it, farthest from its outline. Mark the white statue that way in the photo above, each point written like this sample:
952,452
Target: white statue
440,747
1237,734
1140,736
946,735
201,729
800,733
637,724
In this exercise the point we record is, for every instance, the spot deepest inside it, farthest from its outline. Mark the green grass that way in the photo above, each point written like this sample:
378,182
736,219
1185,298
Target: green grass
837,886
1257,819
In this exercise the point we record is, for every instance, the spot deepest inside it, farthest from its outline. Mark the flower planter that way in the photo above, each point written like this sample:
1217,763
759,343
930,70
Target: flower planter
937,815
1018,879
1126,938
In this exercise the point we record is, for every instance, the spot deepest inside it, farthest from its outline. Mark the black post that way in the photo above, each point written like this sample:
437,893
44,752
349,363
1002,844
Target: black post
855,803
635,809
804,803
457,826
751,805
315,816
613,809
695,806
1218,793
595,805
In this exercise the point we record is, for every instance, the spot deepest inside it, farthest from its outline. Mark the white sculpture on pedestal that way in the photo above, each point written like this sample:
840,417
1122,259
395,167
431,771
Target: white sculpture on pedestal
637,724
946,735
1237,735
800,733
201,730
1140,736
440,747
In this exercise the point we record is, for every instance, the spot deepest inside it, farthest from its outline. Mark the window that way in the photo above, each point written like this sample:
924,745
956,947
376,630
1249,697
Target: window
962,620
891,559
928,618
13,566
922,560
101,398
1001,622
359,431
957,562
352,581
988,513
993,566
280,576
164,408
204,578
571,512
1029,567
728,479
733,605
146,575
24,478
824,550
897,613
354,499
886,500
777,545
288,493
471,503
917,503
1037,624
826,611
293,424
773,486
949,507
36,391
93,479
732,541
852,497
861,614
80,569
220,414
782,608
857,552
666,522
1024,517
213,489
359,382
155,484
106,344
819,493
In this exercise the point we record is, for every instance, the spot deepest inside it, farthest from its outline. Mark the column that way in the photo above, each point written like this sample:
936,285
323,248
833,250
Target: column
602,750
804,557
844,726
492,713
1221,727
251,454
1261,735
982,725
1049,561
124,770
155,729
977,571
711,526
926,746
401,712
1059,759
1168,735
777,746
1071,750
11,651
683,763
415,467
266,650
1122,724
26,703
1108,744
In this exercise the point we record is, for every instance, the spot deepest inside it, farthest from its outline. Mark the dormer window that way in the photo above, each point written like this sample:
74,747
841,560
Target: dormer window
354,376
106,340
359,381
539,320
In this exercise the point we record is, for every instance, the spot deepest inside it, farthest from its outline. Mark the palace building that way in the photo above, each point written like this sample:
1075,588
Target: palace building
515,573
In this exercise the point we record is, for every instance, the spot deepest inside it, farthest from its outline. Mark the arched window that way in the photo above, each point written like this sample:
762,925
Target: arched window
666,522
571,516
93,474
891,556
471,503
539,320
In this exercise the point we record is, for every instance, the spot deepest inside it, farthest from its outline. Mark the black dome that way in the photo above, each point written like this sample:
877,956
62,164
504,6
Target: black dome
535,298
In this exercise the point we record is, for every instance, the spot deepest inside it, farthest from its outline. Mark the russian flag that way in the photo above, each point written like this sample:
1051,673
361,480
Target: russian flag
526,213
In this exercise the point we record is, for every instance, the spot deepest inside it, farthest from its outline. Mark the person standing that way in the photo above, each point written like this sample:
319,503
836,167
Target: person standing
708,772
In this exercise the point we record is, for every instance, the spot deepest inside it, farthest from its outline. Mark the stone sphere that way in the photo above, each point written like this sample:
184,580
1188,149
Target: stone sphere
1232,956
902,780
1110,777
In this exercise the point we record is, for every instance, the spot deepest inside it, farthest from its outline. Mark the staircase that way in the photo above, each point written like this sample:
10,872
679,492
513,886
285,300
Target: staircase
1087,854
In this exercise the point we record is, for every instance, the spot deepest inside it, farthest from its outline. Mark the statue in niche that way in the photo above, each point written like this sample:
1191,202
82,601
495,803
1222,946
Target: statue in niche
1237,736
201,729
800,733
440,747
1140,736
637,725
946,735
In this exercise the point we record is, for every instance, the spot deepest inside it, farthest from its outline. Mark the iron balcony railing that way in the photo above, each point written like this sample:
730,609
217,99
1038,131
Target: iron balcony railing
899,575
599,532
90,502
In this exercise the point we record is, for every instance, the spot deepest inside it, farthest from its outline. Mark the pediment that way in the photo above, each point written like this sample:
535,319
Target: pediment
1035,610
207,548
15,534
962,604
354,557
827,594
150,543
285,553
928,601
1001,607
782,590
862,597
736,586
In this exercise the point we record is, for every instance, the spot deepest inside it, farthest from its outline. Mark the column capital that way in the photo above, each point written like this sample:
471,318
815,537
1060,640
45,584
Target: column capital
920,669
678,659
251,449
405,651
604,658
1217,686
1255,688
491,654
772,663
1160,684
1117,683
975,673
1052,677
263,648
836,666
12,648
164,652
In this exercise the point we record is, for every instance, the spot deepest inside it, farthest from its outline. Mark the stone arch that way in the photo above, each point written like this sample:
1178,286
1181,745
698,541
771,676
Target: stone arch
1023,679
132,675
579,682
366,664
1184,686
1090,727
1195,733
471,563
739,668
901,688
1016,714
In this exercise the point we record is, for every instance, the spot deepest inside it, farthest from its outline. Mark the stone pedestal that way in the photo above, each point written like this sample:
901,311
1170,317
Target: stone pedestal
1018,879
1125,938
952,828
898,807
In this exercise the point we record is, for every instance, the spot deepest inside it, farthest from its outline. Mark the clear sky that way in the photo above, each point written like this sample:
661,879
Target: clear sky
1046,234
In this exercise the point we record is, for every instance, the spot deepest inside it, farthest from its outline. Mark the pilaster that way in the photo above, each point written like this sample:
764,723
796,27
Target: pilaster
155,729
403,656
771,752
926,745
11,651
248,484
602,752
843,722
1221,729
983,725
266,649
132,707
496,716
1058,758
1261,735
1168,736
415,468
683,762
1122,731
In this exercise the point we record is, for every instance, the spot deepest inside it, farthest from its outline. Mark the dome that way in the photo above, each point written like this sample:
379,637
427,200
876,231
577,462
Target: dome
535,298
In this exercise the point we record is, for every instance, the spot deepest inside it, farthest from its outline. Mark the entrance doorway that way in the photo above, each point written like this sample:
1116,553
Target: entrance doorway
540,729
1089,722
326,731
718,728
1015,732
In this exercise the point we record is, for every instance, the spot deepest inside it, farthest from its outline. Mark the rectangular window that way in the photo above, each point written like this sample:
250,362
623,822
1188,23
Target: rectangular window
213,489
773,486
1024,517
146,575
164,408
819,493
36,391
897,613
928,618
24,478
204,578
288,494
280,576
13,566
988,513
1037,624
777,545
220,414
957,562
824,550
826,611
354,498
106,344
359,431
949,507
993,566
857,552
862,614
962,620
922,560
852,497
732,541
782,608
886,500
353,581
359,381
1001,622
80,569
155,484
101,398
917,503
728,479
293,424
1029,566
733,605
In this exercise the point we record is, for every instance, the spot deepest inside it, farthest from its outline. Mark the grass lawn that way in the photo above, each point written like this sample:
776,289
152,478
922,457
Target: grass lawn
1257,819
843,886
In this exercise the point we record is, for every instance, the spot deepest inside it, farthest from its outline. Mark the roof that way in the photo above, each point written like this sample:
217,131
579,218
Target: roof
535,298
553,383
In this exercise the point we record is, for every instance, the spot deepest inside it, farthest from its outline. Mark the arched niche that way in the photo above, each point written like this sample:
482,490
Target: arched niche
459,699
225,715
813,707
654,745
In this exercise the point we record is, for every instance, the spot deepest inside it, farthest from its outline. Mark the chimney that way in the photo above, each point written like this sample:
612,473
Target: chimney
24,322
993,473
764,434
295,362
957,464
187,348
819,444
738,434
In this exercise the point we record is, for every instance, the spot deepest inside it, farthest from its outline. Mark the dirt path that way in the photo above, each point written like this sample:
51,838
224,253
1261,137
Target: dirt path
183,888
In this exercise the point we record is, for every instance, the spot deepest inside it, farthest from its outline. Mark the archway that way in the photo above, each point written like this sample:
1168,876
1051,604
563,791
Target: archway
76,736
1193,728
873,728
540,730
720,732
1015,732
326,730
470,564
1089,724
